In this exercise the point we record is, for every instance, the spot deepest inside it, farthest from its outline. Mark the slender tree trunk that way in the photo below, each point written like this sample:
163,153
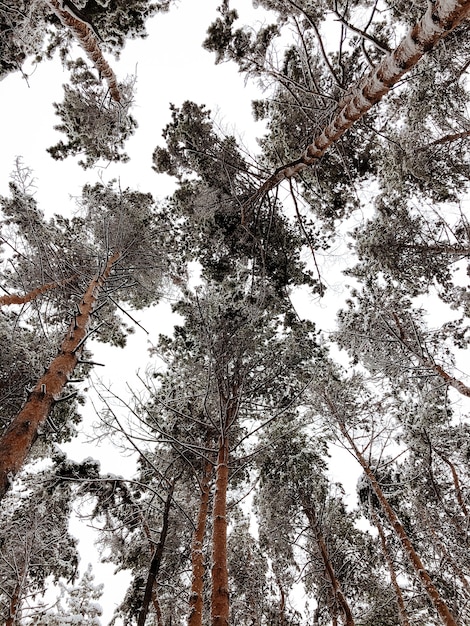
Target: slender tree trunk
87,39
16,597
340,599
14,605
429,362
220,593
156,561
440,547
282,603
456,481
416,563
197,558
447,139
31,295
18,438
440,18
393,577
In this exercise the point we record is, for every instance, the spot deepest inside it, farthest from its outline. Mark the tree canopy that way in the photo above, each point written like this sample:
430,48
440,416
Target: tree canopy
320,307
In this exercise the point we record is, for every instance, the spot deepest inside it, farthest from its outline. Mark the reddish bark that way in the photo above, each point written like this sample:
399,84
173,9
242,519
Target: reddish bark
282,603
14,605
197,557
18,438
16,597
447,139
339,598
440,547
31,295
220,594
456,481
87,39
440,19
415,560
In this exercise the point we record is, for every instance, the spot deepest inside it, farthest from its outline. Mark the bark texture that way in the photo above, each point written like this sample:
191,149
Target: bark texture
197,557
31,295
439,20
18,438
87,39
220,594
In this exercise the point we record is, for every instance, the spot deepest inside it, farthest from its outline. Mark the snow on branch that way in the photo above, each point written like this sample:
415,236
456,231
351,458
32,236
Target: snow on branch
85,33
439,20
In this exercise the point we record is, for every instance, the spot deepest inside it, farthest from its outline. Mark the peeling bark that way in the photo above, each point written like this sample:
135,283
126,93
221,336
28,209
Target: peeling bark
18,438
197,557
220,593
439,20
87,39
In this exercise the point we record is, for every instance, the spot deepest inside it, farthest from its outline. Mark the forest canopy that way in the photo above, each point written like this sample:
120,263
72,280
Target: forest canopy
320,322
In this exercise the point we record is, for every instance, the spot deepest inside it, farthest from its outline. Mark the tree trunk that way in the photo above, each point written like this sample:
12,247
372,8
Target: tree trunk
197,557
429,362
338,595
443,551
456,481
31,295
220,594
16,597
403,617
18,438
14,605
440,18
87,39
416,563
156,561
282,603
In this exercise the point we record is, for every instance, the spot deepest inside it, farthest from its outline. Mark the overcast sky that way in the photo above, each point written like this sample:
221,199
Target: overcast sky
170,65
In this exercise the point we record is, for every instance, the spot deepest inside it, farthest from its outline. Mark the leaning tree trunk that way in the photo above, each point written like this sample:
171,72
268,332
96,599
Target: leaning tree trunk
33,294
197,558
403,617
414,558
86,37
18,438
440,18
156,561
220,595
339,597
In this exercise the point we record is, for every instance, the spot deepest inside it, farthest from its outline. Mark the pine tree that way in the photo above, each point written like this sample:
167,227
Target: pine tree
97,246
34,543
81,606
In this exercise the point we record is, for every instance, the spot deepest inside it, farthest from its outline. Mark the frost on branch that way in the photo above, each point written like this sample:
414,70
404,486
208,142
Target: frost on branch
95,125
